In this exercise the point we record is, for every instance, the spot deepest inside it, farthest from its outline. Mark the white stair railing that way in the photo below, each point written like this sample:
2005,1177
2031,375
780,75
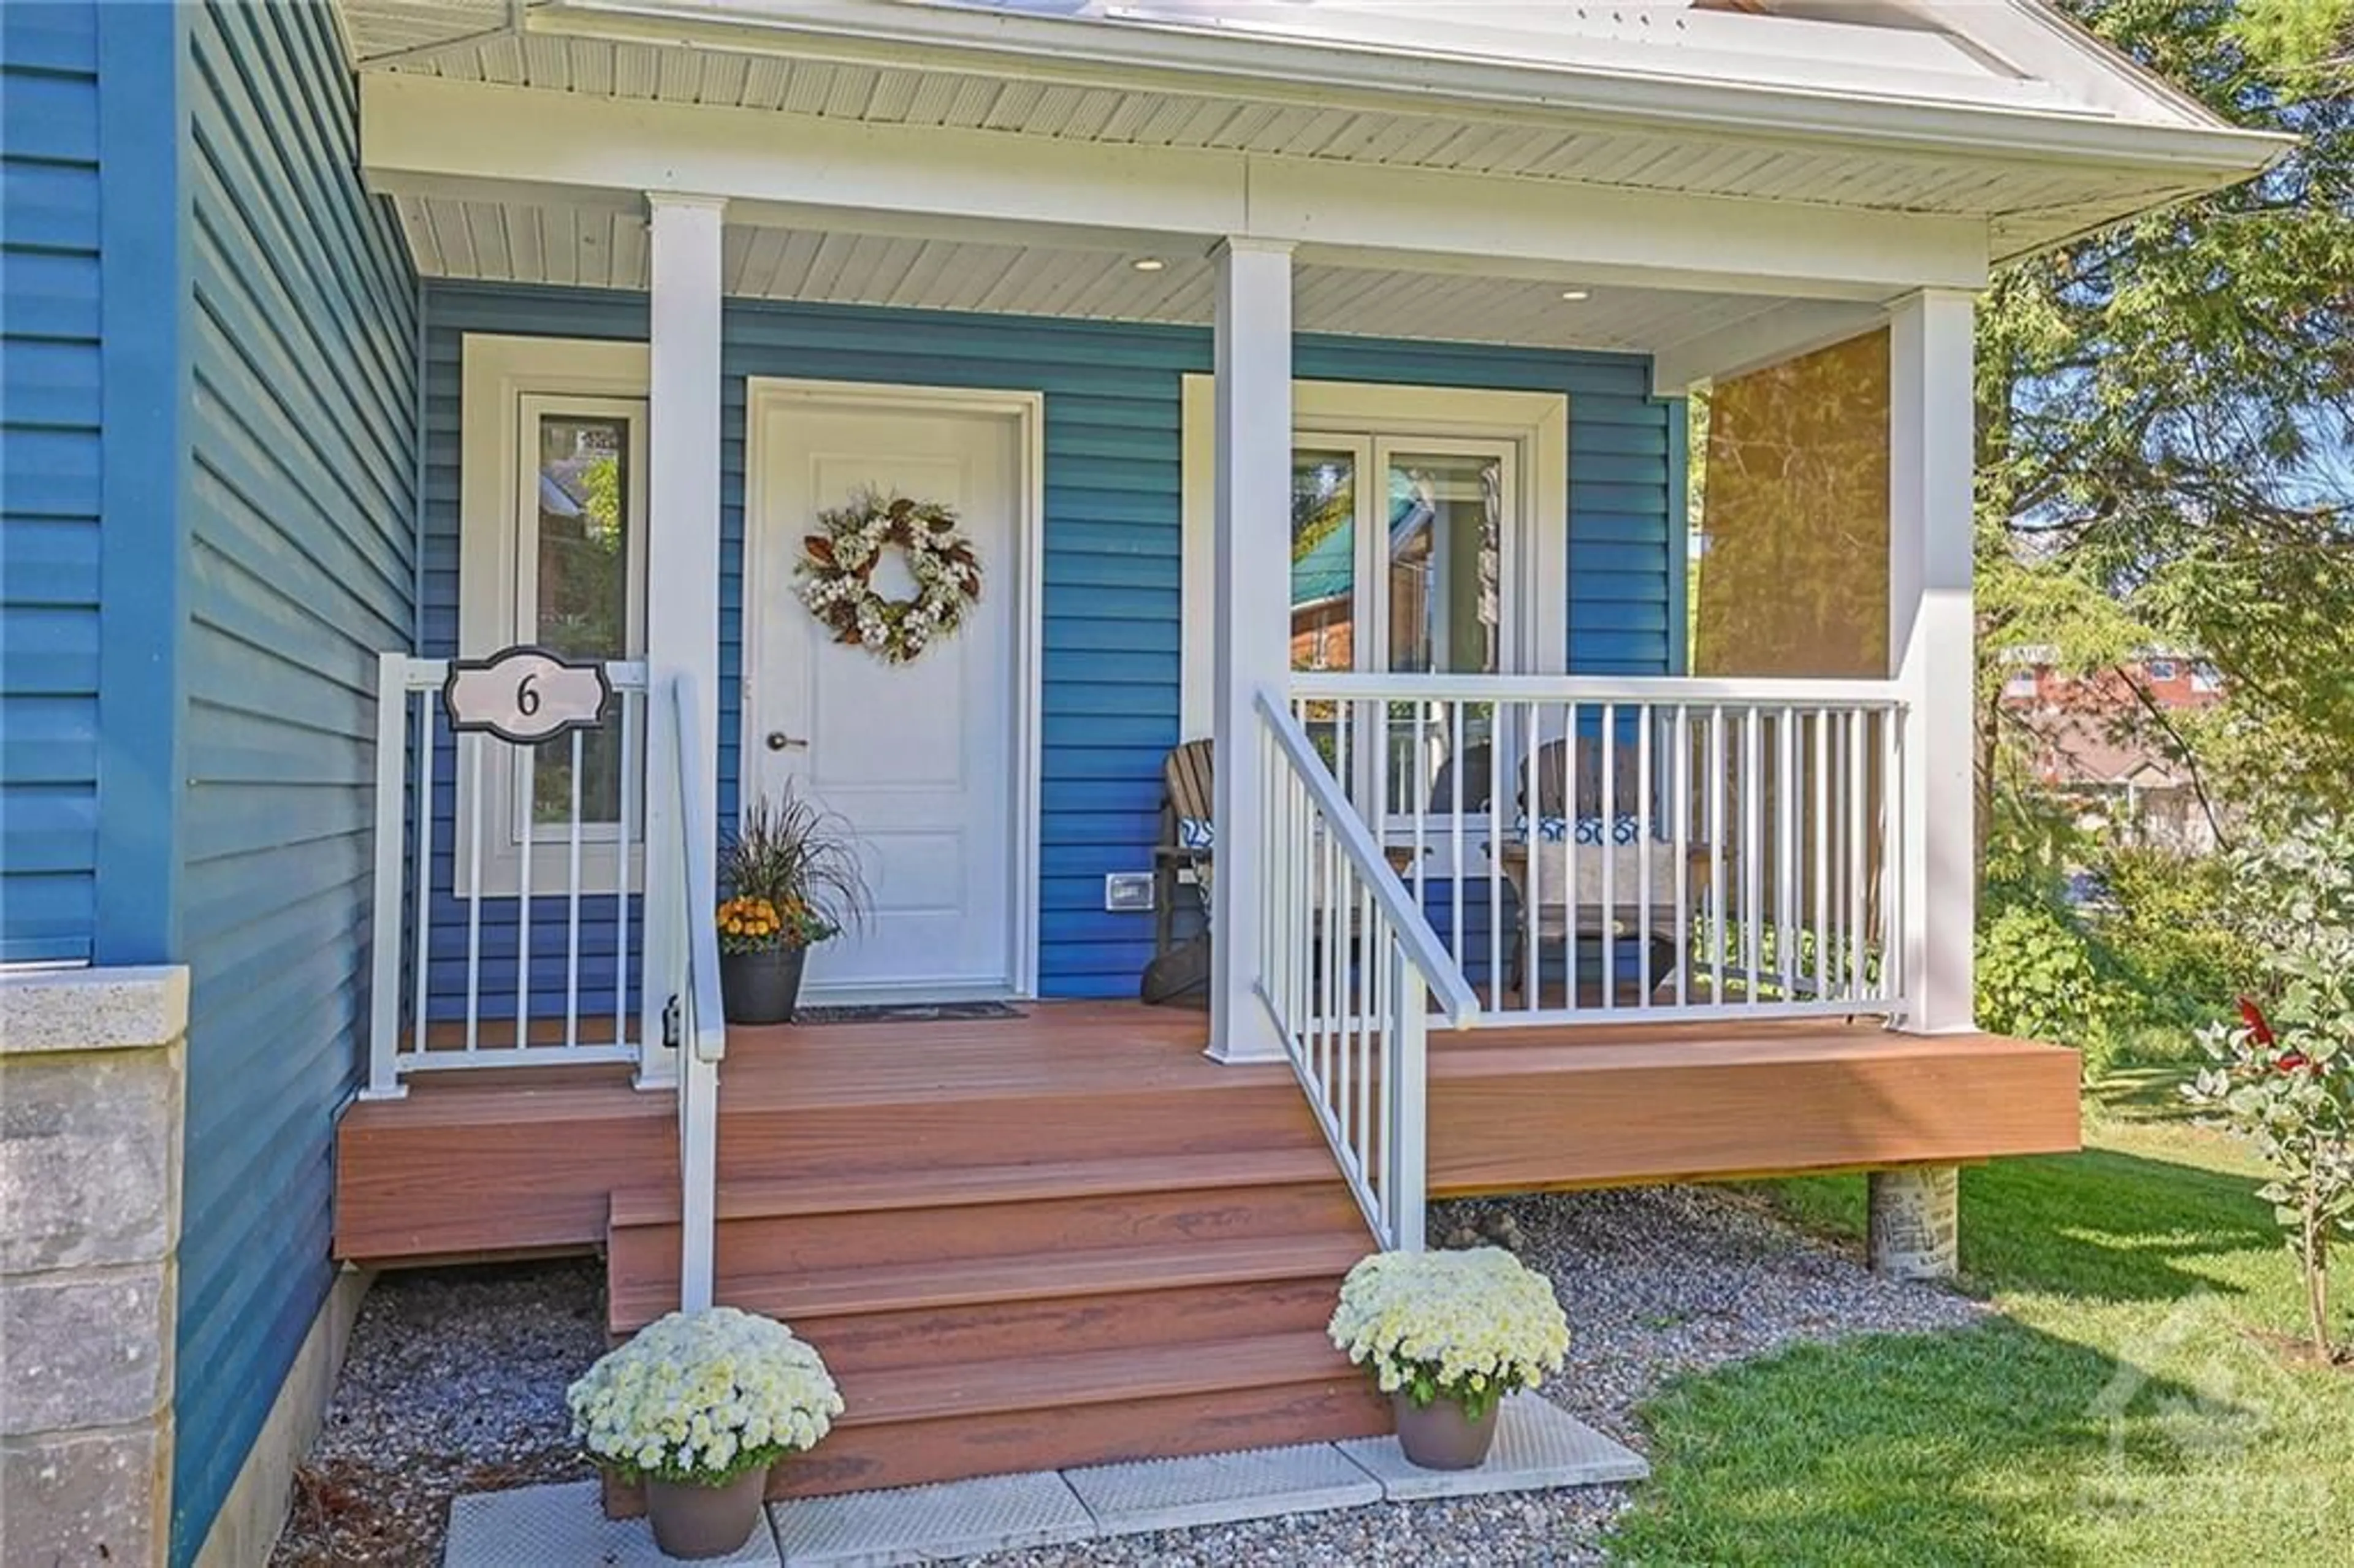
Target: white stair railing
1351,971
1669,848
697,1024
508,917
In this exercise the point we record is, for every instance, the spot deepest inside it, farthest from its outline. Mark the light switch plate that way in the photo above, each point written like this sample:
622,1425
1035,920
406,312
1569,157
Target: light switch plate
1128,892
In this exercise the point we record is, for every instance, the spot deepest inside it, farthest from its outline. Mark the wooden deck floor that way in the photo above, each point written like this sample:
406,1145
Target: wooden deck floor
538,1155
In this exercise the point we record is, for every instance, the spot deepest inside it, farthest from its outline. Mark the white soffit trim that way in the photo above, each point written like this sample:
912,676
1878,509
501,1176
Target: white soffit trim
422,136
1334,73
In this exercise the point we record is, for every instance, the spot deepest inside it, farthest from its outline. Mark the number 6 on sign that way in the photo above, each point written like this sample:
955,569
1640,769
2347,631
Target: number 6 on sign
524,695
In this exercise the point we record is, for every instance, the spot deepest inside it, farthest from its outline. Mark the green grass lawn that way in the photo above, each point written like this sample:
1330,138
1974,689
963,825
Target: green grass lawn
2127,1405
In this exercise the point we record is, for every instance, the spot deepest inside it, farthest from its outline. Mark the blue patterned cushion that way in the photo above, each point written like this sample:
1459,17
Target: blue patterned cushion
1196,834
1624,829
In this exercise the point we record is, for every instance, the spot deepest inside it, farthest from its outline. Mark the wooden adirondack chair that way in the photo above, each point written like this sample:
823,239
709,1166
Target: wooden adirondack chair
1178,969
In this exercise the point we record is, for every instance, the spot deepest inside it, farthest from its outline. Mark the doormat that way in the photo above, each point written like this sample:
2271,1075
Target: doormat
907,1012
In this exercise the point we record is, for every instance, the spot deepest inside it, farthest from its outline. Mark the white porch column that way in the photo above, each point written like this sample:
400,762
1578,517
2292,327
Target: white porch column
1931,460
682,553
1253,615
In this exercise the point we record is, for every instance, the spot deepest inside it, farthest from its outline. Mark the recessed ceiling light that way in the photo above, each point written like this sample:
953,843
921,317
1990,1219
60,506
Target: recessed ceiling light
1148,263
1576,294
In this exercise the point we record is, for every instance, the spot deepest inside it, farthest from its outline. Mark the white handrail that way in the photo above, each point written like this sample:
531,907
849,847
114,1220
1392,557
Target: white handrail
1657,690
1349,968
702,1022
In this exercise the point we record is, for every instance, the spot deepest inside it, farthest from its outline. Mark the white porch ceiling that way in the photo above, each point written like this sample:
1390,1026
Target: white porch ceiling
598,247
2025,201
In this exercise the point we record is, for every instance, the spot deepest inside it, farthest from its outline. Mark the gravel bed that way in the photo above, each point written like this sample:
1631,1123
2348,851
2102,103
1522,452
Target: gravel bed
454,1382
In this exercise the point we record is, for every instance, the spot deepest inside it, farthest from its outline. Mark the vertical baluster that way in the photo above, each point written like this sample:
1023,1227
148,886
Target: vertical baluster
1717,891
1643,855
421,879
1857,854
1786,836
1422,815
1572,762
1818,824
622,880
572,910
1310,914
1894,980
1753,848
529,757
1342,893
474,905
1682,822
1368,1065
1385,1141
1605,802
1494,854
1532,816
1455,943
1328,1046
1405,1211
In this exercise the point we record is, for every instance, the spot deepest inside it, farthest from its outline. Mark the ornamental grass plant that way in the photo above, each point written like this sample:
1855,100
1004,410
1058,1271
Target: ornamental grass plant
792,875
699,1398
1469,1326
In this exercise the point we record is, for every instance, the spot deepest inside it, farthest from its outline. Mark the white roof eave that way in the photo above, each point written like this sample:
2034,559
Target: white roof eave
1173,58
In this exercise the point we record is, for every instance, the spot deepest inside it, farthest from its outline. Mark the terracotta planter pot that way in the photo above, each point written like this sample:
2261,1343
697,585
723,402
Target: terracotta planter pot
693,1521
1439,1437
761,987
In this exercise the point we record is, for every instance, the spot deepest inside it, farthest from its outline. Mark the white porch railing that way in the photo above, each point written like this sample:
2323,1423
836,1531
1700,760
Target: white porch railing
698,1026
508,915
1659,848
1350,971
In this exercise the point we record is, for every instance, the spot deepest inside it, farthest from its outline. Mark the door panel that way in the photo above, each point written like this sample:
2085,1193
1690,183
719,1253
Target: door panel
921,758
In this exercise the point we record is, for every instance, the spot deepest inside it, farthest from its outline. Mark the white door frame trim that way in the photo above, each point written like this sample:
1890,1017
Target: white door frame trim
1536,423
1028,409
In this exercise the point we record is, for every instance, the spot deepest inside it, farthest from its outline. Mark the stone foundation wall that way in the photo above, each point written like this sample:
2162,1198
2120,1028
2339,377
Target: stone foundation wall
91,1086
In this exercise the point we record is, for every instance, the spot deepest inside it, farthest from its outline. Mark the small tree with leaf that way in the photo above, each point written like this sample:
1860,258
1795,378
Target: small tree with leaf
2284,1078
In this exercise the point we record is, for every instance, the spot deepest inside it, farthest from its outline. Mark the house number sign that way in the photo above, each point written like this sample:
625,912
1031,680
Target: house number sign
524,695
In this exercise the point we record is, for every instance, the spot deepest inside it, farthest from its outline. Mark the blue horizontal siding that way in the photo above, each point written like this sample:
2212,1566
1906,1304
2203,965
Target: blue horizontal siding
298,510
1113,545
51,450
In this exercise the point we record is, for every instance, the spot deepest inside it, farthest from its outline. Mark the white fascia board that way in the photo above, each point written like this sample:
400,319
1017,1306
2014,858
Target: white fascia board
1119,55
2033,38
424,136
1773,334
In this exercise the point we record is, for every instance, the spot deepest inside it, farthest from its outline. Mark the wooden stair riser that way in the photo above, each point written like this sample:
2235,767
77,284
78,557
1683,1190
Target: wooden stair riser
829,1243
641,1277
812,1142
913,1453
1018,1330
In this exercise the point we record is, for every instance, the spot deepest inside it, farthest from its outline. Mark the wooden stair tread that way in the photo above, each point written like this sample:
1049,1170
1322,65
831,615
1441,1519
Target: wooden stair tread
988,1280
943,1188
1089,1377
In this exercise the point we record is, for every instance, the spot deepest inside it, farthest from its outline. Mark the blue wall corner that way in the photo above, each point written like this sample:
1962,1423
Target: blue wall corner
142,54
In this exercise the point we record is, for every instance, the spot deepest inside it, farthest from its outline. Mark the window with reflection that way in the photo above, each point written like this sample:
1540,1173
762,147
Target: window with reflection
581,573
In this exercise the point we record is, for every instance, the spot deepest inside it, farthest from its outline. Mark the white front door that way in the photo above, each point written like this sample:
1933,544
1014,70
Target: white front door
924,760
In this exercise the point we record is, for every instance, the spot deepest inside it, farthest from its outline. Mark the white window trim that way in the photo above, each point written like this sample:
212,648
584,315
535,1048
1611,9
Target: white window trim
501,376
1401,419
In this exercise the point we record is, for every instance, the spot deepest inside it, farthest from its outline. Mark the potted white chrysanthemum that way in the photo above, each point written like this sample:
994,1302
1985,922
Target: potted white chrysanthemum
698,1405
1447,1335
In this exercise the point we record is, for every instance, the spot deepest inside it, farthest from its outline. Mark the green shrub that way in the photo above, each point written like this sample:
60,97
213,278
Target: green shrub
2038,978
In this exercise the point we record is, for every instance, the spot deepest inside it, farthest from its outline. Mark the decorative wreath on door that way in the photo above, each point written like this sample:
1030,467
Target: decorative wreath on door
837,571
